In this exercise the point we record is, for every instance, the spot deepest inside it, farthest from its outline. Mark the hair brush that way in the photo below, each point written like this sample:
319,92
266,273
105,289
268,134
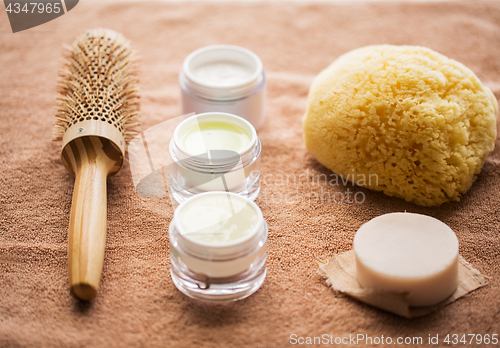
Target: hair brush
98,108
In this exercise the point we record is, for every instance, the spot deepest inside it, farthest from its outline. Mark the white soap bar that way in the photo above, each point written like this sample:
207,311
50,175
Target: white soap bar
408,253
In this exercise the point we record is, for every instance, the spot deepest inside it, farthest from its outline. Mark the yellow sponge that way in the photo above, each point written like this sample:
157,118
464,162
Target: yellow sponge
415,122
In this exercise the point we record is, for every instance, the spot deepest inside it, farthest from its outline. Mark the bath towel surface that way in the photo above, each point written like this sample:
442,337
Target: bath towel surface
312,214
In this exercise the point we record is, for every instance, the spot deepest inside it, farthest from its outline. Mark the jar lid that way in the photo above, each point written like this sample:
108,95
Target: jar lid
223,67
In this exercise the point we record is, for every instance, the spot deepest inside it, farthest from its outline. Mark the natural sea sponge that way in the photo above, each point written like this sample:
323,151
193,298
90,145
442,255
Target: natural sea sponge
417,124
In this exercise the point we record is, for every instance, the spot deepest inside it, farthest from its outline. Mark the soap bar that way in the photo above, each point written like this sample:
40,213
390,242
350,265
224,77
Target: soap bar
408,253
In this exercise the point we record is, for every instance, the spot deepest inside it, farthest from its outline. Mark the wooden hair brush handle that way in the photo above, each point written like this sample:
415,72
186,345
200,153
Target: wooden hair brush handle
94,159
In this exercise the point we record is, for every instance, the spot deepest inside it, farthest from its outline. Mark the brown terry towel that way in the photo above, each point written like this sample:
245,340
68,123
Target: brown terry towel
137,304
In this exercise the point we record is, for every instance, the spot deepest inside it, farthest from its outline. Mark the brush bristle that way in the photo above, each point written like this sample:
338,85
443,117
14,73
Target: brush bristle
97,82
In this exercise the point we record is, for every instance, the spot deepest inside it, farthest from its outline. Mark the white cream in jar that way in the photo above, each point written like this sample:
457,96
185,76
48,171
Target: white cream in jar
224,78
218,247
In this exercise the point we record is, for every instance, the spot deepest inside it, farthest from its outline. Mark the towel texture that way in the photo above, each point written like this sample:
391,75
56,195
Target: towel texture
311,213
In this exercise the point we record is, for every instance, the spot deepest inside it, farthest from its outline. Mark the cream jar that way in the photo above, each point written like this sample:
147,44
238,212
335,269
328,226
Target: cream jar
214,152
218,244
224,78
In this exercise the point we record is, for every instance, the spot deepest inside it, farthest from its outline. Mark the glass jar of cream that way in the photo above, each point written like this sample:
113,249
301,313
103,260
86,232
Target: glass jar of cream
218,244
224,78
214,152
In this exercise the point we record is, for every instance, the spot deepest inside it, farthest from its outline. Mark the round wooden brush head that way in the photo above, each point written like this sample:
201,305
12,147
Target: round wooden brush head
98,107
98,94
